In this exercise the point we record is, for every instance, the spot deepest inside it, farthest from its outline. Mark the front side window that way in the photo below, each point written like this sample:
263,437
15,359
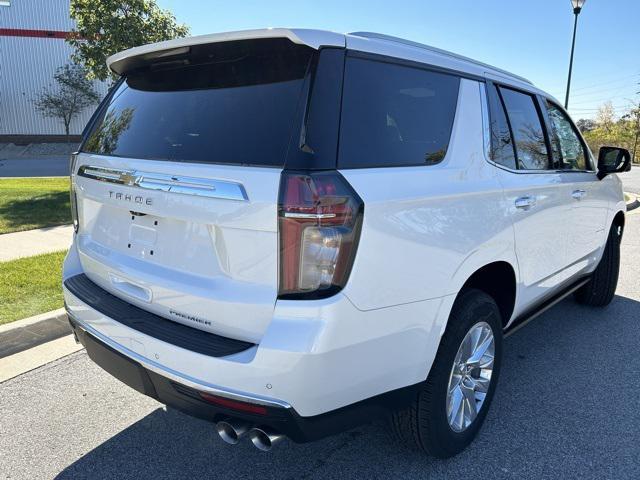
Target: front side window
568,145
394,115
526,127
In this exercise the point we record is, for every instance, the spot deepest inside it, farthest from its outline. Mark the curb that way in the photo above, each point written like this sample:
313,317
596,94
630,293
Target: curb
30,332
634,203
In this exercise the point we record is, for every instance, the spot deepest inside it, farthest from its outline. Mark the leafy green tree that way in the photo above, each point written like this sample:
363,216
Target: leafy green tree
632,120
110,26
105,139
609,130
70,95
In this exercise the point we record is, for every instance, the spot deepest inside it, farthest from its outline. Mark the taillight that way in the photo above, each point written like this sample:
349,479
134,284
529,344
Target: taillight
72,191
319,222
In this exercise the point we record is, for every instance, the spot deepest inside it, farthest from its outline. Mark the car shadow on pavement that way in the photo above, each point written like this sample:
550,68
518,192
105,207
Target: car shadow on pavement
567,406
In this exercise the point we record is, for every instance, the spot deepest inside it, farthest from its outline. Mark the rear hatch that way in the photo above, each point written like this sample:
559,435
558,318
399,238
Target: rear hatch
177,183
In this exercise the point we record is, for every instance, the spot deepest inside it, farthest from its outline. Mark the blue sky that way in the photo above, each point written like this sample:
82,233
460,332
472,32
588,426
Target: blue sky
528,37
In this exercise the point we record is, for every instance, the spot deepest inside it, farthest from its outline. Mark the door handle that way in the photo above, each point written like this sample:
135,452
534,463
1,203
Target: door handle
525,203
578,194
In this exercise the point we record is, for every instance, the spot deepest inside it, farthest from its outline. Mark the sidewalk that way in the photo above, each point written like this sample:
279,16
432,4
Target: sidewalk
35,242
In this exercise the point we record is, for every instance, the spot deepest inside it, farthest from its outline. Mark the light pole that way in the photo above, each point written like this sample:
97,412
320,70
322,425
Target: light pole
577,8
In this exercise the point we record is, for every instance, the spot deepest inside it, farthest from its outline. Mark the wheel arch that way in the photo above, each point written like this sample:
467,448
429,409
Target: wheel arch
498,280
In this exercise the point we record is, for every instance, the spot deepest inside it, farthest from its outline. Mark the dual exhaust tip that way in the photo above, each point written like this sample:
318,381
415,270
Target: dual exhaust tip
263,438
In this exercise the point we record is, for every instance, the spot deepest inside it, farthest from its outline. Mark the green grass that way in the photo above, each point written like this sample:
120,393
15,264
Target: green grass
29,286
28,203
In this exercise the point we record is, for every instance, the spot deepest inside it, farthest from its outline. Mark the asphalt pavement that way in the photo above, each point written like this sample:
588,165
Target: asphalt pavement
45,166
567,406
631,180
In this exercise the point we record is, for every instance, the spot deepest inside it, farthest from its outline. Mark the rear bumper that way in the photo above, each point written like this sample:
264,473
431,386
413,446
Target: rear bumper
277,415
316,358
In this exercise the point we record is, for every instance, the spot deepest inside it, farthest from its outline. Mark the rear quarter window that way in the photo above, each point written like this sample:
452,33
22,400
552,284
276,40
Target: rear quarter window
395,115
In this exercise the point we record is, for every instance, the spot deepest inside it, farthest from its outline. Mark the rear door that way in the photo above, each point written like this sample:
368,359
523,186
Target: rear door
534,191
587,196
177,184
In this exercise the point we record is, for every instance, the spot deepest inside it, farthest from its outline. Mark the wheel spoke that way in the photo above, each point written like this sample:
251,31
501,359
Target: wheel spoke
481,350
482,384
455,381
466,349
470,404
456,406
486,362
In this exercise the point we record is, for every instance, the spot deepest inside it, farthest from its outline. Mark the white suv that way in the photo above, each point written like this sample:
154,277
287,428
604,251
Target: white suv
292,232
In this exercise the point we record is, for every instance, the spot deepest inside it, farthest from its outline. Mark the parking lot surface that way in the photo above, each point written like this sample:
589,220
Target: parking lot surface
567,406
632,180
53,166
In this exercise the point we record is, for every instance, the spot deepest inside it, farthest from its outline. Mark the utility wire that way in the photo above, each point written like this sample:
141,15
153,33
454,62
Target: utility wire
561,86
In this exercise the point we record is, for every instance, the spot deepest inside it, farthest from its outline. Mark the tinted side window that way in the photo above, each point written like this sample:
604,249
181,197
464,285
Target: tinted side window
531,147
395,115
571,150
502,149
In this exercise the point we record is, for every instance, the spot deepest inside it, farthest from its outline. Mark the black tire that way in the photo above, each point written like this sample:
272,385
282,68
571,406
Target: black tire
601,288
424,424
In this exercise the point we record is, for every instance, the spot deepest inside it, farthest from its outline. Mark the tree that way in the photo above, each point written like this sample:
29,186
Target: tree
105,139
605,118
110,26
585,125
632,120
69,97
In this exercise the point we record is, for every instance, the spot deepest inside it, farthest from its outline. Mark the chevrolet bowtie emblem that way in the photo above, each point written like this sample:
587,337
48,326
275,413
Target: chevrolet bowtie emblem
129,178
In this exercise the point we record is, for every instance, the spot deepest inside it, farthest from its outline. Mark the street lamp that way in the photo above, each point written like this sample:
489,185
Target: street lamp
577,8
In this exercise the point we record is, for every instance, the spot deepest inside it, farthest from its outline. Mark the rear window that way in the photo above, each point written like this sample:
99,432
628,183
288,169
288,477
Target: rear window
395,115
232,103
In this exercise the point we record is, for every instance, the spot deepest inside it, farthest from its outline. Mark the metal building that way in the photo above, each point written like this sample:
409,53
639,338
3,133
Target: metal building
32,47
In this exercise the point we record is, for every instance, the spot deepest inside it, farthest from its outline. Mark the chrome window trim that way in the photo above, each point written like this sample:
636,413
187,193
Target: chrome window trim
174,375
199,187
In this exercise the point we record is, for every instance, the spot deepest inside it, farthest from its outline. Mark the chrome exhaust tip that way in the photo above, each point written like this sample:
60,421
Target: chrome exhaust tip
231,431
264,438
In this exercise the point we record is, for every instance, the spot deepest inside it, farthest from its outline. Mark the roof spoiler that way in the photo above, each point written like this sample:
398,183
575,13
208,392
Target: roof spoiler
122,62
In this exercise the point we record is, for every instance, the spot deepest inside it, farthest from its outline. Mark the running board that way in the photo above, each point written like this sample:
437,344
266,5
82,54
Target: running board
532,313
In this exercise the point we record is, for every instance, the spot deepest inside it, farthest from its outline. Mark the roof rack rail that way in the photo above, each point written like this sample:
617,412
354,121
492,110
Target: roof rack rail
390,38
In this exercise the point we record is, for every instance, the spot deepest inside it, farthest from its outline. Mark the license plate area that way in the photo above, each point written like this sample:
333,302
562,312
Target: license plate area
142,238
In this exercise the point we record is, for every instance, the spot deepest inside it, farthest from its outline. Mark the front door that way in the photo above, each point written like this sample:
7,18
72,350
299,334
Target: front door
586,226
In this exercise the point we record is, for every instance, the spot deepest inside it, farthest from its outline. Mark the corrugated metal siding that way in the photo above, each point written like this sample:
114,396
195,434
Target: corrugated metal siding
27,66
37,15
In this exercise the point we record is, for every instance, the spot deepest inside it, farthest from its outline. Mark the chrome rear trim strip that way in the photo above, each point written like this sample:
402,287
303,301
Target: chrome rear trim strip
200,187
313,216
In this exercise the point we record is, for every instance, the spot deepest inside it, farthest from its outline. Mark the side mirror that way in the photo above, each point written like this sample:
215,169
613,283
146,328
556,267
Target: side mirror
613,160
